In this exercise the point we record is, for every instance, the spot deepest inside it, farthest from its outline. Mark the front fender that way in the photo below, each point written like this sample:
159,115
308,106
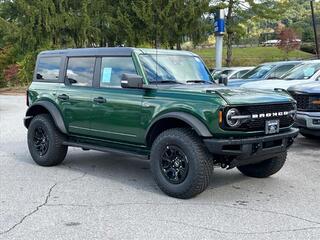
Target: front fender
200,128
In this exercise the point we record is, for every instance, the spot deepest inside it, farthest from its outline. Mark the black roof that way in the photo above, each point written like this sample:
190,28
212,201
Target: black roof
112,51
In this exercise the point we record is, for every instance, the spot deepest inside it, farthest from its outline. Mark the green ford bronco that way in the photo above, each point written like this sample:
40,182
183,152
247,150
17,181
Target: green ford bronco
161,104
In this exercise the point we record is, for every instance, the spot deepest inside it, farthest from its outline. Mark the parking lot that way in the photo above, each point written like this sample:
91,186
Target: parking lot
95,195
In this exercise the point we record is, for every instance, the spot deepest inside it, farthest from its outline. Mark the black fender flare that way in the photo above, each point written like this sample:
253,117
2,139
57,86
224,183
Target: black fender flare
200,128
52,109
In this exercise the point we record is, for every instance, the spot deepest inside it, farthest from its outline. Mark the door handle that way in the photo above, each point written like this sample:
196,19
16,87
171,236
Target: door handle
63,97
99,100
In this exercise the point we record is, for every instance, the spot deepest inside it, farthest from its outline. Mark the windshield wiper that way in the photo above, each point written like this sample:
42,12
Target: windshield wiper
199,81
165,81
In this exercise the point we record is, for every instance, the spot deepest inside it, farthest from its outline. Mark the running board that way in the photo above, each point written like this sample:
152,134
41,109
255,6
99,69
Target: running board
105,149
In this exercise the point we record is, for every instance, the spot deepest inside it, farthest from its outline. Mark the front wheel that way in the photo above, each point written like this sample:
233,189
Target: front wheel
180,163
265,168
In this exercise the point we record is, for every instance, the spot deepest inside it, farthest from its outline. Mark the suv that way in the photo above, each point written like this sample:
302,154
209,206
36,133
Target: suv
308,104
161,104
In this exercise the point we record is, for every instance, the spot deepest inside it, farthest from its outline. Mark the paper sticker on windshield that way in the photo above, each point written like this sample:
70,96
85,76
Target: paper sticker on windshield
308,72
106,75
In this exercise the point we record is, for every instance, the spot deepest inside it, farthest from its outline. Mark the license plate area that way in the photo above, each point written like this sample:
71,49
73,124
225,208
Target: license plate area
272,126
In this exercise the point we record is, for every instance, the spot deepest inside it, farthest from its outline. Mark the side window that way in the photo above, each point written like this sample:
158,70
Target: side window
112,69
280,71
48,69
80,71
242,72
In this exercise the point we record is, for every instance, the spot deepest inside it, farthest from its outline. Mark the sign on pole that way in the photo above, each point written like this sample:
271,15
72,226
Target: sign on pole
219,30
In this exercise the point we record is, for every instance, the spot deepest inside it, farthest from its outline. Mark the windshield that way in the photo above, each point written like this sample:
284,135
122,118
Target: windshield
304,71
175,68
258,72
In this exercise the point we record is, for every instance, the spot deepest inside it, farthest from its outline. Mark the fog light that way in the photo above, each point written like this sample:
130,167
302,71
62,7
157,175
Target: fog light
316,121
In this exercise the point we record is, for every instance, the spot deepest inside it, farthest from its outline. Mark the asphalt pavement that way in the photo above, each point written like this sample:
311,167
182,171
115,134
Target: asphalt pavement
95,195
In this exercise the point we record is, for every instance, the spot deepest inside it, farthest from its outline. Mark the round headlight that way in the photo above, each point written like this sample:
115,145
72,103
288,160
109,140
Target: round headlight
233,122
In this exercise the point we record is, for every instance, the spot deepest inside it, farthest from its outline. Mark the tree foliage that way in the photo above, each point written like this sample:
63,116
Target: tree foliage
242,13
288,40
29,26
32,25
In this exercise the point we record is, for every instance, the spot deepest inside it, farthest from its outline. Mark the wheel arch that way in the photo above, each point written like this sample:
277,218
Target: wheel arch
172,120
45,107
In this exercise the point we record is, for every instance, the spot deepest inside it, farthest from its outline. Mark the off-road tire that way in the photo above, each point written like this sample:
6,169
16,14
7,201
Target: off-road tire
199,161
56,151
266,168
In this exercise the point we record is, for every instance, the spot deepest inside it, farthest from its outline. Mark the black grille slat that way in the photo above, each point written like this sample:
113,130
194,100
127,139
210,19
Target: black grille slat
259,124
305,102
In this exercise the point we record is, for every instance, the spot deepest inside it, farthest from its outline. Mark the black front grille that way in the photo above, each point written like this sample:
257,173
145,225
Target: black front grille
305,102
259,123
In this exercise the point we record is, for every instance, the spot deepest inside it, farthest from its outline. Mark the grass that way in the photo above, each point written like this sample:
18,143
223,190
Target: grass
252,56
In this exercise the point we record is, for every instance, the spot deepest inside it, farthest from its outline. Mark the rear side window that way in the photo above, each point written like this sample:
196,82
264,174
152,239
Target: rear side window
80,71
48,69
112,69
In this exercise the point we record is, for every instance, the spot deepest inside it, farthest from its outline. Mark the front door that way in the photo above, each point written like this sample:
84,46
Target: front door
116,111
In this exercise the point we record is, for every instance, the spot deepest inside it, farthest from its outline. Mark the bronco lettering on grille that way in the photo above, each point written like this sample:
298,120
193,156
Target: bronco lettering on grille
266,115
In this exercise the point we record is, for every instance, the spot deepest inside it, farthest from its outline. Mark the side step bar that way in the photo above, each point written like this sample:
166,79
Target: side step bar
104,149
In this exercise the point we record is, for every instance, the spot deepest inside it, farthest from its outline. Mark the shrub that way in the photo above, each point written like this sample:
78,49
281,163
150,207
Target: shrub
308,47
26,67
10,75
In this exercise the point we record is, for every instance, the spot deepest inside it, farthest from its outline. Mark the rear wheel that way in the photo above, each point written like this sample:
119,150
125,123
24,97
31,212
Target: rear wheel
45,141
266,168
181,165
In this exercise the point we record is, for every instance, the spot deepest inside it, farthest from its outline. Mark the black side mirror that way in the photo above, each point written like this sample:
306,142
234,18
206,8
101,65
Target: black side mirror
223,79
131,81
39,76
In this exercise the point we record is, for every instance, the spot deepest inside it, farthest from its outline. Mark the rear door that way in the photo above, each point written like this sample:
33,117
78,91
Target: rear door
116,112
75,98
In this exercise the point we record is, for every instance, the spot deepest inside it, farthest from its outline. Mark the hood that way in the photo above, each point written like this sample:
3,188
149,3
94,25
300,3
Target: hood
235,96
311,88
239,82
275,83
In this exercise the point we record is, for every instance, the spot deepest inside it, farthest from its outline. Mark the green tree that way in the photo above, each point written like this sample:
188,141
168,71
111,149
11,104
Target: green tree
239,12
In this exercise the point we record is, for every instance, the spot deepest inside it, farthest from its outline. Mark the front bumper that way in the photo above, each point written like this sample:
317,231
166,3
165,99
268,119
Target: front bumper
251,150
308,120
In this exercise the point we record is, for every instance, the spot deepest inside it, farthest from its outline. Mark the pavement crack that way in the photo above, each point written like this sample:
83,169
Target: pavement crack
197,204
32,212
238,232
45,201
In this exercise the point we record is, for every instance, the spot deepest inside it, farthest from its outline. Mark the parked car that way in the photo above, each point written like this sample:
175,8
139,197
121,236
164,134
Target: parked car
264,71
307,72
275,42
270,43
160,104
308,105
231,72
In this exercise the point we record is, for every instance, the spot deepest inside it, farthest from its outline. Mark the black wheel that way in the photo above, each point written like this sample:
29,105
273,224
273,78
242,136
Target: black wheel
45,141
266,168
180,163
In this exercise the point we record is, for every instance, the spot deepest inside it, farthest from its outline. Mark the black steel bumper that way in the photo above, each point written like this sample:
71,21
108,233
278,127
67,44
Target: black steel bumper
251,150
